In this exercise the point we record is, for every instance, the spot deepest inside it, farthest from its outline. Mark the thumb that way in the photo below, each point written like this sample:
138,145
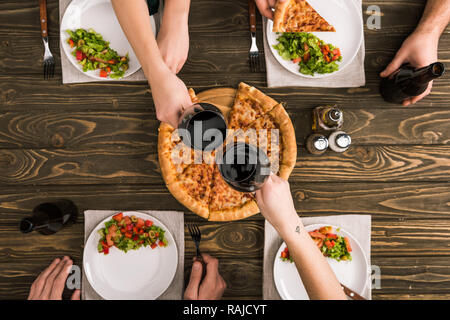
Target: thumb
394,65
191,292
76,295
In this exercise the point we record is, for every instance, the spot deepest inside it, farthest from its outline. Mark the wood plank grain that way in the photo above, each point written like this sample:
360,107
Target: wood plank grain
393,201
126,129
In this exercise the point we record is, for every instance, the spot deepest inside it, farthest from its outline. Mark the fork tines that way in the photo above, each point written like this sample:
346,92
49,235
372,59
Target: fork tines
194,232
49,68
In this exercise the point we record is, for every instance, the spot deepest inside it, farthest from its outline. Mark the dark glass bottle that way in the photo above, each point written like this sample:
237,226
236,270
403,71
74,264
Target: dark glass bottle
409,82
50,217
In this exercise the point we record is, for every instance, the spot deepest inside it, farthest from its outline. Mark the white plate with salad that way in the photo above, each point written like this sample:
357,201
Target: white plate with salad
344,44
344,255
130,256
103,48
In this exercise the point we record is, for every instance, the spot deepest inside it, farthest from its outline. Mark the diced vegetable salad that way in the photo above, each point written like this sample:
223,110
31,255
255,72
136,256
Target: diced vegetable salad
130,233
94,53
330,244
309,52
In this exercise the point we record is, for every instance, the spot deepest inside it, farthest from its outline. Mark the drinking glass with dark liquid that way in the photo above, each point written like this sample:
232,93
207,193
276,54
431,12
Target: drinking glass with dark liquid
244,167
48,218
203,127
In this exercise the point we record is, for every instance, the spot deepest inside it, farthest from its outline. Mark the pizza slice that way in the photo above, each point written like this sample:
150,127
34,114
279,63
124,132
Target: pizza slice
275,135
249,104
175,156
226,204
192,188
298,16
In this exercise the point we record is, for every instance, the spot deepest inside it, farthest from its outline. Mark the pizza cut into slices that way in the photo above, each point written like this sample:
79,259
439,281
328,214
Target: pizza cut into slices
274,134
192,188
249,104
298,16
226,204
175,156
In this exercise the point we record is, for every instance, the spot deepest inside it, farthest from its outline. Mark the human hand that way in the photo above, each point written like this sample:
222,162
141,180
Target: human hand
265,7
275,202
49,285
211,287
173,43
420,50
170,97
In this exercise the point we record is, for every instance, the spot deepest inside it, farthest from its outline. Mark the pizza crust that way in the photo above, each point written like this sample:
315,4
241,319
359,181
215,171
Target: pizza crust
164,152
307,19
248,209
177,189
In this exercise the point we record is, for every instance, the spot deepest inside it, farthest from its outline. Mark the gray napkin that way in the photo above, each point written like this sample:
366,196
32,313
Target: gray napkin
70,74
173,220
352,76
358,225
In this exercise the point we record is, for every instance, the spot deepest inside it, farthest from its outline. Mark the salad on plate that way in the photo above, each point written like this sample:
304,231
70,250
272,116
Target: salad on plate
94,53
312,54
130,233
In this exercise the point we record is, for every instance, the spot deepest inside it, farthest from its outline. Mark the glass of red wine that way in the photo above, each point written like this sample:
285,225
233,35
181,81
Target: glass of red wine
203,127
243,166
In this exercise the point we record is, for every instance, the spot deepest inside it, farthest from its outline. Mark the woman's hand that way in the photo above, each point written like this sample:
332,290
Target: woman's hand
49,285
276,204
265,7
170,97
420,50
173,41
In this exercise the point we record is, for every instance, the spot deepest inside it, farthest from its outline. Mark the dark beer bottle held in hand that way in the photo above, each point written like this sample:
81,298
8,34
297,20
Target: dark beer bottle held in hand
50,217
408,82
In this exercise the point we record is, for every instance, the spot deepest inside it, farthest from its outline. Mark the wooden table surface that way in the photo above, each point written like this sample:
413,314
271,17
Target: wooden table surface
95,143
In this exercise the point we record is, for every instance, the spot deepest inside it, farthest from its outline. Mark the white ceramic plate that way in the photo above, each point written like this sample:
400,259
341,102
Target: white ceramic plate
346,17
142,274
98,15
353,274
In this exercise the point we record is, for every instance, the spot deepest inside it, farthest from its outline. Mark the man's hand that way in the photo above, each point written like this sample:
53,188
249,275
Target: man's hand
211,287
173,43
49,285
170,96
265,7
276,205
420,50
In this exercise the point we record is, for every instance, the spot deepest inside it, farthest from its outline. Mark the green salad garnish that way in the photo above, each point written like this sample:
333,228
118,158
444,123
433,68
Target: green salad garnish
92,53
309,52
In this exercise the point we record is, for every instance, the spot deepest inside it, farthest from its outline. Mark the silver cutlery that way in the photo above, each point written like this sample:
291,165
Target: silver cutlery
253,54
49,61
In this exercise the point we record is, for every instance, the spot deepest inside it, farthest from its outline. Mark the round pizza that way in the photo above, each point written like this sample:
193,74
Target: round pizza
193,177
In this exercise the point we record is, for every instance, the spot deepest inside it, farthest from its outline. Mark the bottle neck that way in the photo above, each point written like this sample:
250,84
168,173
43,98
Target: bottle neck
426,74
27,225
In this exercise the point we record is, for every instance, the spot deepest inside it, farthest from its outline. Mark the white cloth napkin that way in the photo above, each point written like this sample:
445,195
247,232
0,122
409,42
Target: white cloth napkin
173,220
352,76
70,74
358,225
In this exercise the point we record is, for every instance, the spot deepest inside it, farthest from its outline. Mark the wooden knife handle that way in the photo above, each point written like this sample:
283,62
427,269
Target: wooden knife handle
43,15
252,15
352,294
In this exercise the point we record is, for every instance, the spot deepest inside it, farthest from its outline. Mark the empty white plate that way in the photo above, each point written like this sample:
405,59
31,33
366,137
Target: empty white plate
100,16
345,16
142,274
353,274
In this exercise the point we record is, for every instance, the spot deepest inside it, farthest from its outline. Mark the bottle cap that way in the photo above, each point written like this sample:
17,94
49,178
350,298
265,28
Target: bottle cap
320,143
26,225
343,140
335,114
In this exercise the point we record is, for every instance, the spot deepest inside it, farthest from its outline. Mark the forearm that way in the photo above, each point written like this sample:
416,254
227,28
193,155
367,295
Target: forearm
319,280
435,18
176,10
133,16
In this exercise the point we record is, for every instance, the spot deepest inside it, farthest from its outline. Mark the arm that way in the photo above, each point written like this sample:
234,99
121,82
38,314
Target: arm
170,95
173,37
275,203
421,47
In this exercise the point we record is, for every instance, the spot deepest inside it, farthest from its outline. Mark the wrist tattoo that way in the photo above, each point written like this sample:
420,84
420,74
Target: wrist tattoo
297,229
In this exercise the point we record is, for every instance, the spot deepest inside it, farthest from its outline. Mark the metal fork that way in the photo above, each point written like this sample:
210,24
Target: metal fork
196,236
49,61
254,52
